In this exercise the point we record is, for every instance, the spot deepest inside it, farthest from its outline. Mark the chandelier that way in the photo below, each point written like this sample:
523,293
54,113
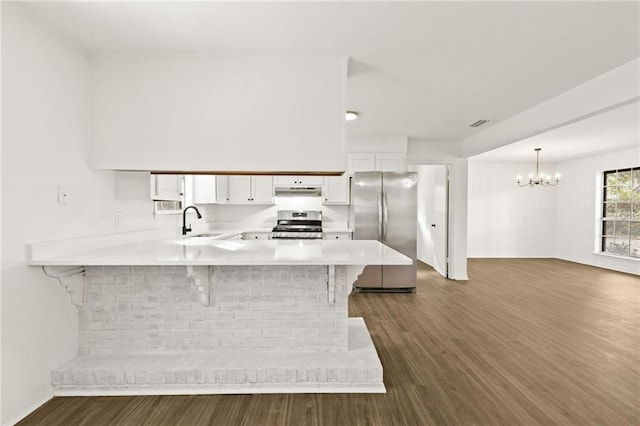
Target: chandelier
539,178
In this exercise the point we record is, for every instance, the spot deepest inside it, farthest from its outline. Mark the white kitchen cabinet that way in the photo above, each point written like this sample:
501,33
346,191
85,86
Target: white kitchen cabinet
200,189
167,187
245,189
298,180
335,190
336,235
391,162
376,162
255,235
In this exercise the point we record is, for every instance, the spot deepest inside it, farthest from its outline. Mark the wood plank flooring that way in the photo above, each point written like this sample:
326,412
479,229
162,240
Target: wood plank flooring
524,341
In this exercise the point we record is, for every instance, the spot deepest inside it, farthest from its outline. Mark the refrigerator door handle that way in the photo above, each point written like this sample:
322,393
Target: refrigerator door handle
385,216
380,217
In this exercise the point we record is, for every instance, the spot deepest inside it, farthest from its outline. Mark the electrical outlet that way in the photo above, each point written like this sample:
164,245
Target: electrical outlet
116,218
63,196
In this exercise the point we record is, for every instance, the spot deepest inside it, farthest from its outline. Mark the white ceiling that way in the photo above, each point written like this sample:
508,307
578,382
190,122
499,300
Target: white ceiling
422,69
610,131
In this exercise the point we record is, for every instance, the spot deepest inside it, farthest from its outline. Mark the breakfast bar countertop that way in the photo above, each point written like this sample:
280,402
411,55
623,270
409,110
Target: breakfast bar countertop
212,251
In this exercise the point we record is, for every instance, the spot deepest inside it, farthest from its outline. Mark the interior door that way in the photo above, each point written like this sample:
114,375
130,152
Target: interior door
367,220
440,219
399,226
433,213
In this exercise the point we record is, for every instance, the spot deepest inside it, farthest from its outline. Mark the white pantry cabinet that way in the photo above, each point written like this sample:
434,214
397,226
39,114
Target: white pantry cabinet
217,113
376,162
245,189
335,190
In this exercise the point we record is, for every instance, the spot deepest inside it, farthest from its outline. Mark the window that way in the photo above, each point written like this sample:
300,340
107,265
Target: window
620,232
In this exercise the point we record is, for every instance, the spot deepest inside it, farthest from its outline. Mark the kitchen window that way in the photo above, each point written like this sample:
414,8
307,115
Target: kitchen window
620,230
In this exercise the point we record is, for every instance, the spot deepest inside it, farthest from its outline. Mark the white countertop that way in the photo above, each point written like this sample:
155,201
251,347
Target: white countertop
213,251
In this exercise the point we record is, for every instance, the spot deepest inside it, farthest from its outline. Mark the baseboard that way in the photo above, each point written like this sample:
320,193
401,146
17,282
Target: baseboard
626,266
30,407
511,257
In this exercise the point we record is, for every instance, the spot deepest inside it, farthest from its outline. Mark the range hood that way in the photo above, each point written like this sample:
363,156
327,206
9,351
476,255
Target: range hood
298,191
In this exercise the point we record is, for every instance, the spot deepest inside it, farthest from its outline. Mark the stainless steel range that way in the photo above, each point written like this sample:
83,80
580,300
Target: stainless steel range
298,225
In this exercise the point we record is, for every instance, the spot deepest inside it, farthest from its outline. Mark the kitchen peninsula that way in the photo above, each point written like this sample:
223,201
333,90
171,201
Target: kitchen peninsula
201,315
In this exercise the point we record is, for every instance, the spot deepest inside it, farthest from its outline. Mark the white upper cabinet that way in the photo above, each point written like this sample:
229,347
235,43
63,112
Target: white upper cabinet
262,189
167,187
239,113
335,190
201,189
376,162
245,189
298,180
389,162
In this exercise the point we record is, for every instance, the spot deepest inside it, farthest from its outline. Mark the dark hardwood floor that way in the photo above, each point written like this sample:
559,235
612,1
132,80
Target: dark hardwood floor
524,341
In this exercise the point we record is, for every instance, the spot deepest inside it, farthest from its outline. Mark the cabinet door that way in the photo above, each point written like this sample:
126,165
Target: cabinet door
239,189
335,190
203,189
256,236
222,189
337,235
262,189
285,180
298,180
390,162
310,180
167,187
361,163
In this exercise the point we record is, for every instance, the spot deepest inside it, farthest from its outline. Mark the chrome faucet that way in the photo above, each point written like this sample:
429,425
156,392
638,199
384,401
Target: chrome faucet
184,219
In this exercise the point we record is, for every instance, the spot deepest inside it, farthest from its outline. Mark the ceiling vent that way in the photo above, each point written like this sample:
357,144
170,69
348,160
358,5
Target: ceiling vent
478,123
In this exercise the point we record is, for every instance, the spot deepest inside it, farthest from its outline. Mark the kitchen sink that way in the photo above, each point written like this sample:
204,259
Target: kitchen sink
206,235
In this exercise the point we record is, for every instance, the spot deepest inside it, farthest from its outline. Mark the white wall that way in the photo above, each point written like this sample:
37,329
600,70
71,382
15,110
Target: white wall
506,220
44,144
264,216
224,113
577,209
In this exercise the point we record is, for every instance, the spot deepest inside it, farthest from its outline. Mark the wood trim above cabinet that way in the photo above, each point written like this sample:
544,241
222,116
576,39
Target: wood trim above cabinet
242,172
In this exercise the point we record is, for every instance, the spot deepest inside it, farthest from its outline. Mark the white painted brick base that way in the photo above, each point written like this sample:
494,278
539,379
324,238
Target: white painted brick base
145,330
156,310
356,370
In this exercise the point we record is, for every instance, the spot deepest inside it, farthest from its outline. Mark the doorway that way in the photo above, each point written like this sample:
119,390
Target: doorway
433,217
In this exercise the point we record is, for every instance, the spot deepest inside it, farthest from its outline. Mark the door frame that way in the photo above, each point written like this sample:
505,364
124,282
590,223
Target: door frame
448,210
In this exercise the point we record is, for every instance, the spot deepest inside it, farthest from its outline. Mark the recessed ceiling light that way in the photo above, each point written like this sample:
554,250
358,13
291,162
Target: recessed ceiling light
351,115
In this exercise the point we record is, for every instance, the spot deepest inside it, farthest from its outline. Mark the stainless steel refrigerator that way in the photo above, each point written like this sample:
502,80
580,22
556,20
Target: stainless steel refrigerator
384,208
